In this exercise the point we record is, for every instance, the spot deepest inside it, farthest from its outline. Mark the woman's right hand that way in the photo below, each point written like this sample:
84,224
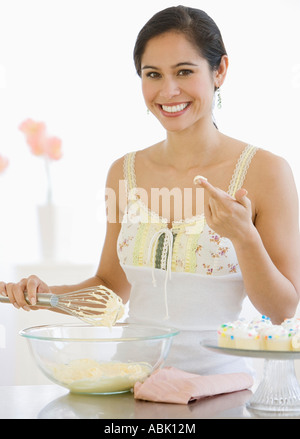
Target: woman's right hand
15,291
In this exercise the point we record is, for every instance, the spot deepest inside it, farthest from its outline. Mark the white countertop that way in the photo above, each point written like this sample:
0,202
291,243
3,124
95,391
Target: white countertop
54,402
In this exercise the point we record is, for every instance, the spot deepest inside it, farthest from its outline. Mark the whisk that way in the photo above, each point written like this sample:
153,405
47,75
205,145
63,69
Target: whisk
98,306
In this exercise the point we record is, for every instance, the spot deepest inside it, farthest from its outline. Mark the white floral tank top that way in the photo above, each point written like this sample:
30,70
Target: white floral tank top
189,246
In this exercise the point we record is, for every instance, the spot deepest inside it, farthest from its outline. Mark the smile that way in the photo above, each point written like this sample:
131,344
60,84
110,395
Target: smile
174,109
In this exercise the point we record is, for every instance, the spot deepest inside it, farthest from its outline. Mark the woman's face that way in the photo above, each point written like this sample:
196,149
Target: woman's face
178,85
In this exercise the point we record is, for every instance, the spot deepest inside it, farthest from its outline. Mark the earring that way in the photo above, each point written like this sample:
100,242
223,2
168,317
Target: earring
219,104
148,111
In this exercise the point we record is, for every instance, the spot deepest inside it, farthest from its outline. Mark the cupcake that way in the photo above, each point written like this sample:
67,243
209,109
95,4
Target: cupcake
226,333
277,338
295,343
291,324
248,337
260,322
226,336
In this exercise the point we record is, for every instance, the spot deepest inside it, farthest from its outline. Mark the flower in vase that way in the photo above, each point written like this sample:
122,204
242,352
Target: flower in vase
39,142
42,145
53,148
3,163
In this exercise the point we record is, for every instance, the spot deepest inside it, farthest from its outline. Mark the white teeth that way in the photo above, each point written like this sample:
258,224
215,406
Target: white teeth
174,108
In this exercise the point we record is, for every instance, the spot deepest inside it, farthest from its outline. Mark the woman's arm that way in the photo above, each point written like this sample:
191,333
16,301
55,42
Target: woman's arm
268,250
109,273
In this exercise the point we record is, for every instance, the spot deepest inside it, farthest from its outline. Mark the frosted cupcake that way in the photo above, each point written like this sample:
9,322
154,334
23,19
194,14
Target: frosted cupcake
226,333
260,322
277,338
291,324
248,338
226,336
295,342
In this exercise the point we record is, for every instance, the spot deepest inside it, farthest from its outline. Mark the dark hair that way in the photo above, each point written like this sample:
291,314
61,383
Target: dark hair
195,24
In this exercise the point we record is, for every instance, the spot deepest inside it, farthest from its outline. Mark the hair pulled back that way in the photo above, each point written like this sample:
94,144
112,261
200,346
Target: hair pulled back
195,24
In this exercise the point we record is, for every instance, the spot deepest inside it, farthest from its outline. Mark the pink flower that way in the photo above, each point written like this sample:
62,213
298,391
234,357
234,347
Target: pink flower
42,145
35,133
53,148
3,163
39,143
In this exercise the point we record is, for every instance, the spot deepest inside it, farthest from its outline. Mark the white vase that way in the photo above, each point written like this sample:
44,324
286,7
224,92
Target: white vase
55,230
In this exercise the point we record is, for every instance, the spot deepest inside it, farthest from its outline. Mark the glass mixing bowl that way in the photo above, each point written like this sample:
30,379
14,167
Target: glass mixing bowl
97,359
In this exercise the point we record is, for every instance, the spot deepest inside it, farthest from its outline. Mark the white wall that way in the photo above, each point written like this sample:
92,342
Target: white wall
69,63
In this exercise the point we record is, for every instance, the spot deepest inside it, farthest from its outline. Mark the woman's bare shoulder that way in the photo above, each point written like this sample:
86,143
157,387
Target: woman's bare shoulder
115,172
270,167
265,162
271,180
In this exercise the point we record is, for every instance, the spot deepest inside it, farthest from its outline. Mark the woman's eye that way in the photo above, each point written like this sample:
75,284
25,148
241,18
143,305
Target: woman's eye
153,75
184,72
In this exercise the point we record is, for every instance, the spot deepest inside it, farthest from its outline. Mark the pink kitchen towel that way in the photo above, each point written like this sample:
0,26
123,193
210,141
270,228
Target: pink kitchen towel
173,385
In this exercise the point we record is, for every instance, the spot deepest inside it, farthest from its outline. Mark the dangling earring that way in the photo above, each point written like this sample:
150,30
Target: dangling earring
148,111
219,104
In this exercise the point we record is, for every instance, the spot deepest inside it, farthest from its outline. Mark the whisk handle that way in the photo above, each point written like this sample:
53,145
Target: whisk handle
42,299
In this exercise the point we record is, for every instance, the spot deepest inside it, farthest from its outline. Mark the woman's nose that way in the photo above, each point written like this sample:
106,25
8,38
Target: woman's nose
169,89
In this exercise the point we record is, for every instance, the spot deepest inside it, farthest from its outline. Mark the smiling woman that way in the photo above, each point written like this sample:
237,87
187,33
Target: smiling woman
194,267
184,89
196,71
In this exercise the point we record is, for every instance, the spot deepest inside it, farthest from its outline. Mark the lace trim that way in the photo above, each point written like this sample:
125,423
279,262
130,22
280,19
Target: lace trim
141,237
165,254
129,174
176,243
241,169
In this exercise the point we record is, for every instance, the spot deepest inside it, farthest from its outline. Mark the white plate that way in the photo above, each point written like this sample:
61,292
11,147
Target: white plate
276,355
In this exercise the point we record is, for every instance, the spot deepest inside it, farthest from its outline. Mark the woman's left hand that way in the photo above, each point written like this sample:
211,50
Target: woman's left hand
229,217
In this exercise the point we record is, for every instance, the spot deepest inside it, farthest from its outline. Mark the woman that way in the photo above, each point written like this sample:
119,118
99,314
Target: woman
187,253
